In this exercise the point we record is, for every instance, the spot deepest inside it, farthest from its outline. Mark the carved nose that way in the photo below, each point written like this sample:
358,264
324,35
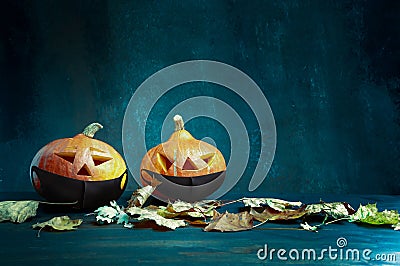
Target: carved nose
189,165
84,171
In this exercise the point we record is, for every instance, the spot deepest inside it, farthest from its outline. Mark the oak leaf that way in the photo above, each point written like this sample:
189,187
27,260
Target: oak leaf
111,214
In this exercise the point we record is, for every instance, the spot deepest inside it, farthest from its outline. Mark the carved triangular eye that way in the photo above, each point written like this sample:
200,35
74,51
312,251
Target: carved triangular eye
92,149
164,162
208,158
97,159
68,156
84,171
189,165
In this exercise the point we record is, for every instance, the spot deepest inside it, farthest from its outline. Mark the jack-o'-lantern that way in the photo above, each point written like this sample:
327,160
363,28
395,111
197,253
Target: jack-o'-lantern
79,169
188,169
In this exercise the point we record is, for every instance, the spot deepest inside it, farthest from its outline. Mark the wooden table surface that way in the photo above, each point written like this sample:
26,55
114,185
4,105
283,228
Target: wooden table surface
114,245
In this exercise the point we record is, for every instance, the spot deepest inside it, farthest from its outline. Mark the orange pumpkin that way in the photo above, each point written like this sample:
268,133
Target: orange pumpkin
81,169
185,161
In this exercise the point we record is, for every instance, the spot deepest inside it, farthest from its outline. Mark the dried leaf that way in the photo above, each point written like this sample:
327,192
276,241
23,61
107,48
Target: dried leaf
230,222
369,214
17,211
140,196
197,222
151,214
111,214
276,204
335,209
308,227
204,205
59,223
163,211
269,214
180,206
199,209
106,214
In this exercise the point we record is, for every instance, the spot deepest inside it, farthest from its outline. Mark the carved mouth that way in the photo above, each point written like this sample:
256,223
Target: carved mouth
187,181
190,163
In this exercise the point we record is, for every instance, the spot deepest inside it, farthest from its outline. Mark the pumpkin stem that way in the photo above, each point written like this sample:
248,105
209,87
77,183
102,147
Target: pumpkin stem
178,123
91,129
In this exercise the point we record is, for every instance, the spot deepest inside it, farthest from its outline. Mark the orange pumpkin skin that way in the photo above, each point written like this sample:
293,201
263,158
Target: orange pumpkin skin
79,169
191,157
183,167
81,158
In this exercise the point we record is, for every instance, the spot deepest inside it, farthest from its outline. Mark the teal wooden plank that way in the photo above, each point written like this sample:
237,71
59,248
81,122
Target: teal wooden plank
114,245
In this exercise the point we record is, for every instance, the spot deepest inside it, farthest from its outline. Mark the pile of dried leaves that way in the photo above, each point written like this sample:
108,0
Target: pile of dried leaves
254,212
260,210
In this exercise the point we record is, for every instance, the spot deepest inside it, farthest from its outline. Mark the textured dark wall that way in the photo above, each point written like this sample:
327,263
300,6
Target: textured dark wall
329,69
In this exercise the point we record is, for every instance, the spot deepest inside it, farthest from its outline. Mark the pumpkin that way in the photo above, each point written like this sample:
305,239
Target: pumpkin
79,169
186,168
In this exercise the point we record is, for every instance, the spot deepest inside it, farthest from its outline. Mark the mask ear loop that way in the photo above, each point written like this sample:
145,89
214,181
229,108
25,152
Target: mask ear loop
35,179
154,182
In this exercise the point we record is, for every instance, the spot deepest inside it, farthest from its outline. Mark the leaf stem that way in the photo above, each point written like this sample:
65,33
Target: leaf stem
340,219
179,124
230,202
38,234
58,203
257,225
282,228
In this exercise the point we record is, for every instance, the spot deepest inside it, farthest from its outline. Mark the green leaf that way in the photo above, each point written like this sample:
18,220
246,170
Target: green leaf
59,223
335,209
230,222
276,204
369,214
151,214
17,211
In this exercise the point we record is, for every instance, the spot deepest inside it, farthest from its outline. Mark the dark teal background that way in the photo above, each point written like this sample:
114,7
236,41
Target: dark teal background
329,69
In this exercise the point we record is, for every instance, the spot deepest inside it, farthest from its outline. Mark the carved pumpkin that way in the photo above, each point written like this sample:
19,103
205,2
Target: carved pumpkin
81,169
188,169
